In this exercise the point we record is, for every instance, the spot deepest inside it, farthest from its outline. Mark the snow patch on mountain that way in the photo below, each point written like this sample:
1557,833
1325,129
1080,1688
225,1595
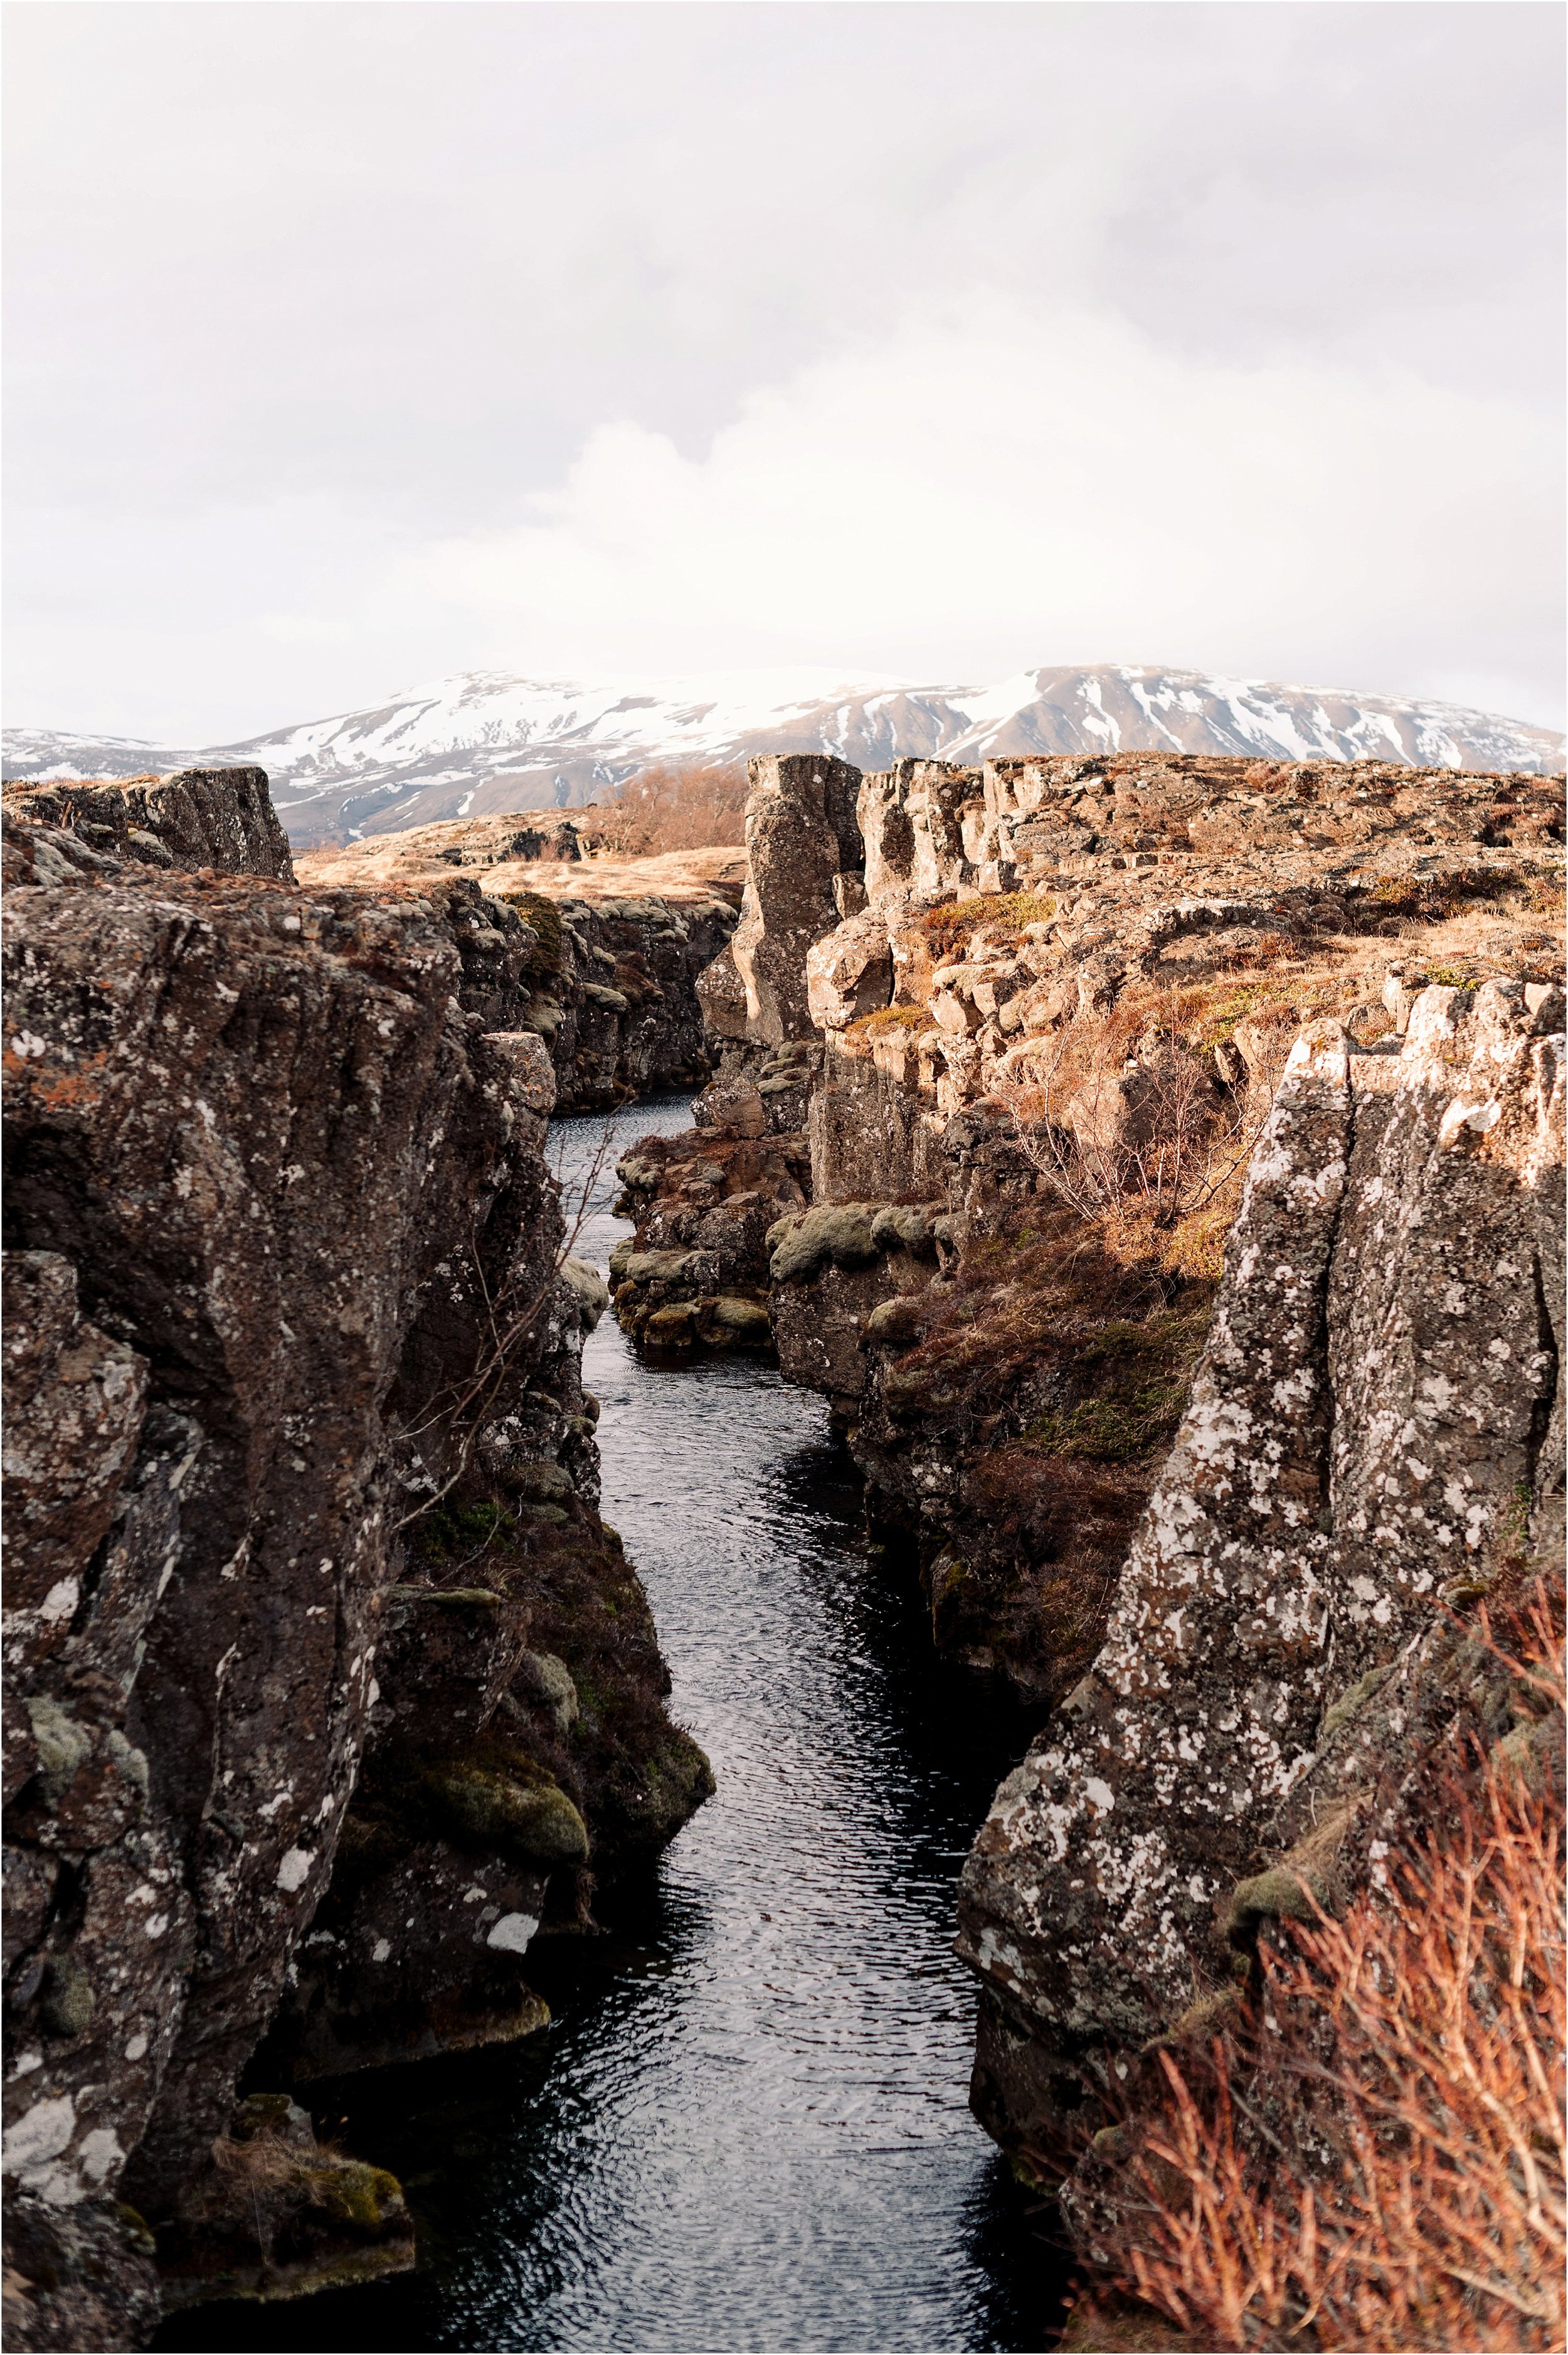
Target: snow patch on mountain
486,741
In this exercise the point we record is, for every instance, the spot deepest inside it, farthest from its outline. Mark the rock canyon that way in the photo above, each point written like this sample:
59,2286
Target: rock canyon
1156,1162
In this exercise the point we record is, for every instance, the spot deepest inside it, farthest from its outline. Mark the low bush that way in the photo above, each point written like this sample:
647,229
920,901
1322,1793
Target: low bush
1370,2154
675,807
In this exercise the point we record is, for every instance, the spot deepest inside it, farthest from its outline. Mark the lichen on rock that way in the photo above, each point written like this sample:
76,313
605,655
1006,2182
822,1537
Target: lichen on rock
300,1474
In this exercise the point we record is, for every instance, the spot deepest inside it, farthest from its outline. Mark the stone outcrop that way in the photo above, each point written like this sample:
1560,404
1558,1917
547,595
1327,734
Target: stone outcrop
611,988
532,851
932,826
490,847
1122,946
705,1203
804,860
219,819
1374,1429
306,1576
1144,867
609,984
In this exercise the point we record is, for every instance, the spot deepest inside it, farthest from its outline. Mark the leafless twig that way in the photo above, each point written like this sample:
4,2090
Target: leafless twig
508,1324
1148,1131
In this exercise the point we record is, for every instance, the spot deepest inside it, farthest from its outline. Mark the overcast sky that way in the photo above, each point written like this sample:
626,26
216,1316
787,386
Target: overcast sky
353,344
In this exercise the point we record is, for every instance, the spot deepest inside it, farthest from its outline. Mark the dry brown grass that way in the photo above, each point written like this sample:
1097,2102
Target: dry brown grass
952,928
1371,2156
675,808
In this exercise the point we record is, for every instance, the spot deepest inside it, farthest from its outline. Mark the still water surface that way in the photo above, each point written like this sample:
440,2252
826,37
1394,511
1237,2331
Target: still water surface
746,2127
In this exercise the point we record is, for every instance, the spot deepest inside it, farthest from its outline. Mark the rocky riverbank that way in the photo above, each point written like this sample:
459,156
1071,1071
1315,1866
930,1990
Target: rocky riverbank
1025,1025
1181,1252
328,1690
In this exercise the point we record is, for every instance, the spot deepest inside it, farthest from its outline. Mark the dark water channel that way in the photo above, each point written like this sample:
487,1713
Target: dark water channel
746,2127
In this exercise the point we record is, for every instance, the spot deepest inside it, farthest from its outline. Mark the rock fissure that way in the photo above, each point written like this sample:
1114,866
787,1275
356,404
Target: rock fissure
1177,1261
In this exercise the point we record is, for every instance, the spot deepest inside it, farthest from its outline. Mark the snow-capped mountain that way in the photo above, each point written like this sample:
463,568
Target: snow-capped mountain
490,740
35,753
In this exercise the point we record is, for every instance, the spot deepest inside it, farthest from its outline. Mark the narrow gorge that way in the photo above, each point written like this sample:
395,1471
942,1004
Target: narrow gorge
1112,1271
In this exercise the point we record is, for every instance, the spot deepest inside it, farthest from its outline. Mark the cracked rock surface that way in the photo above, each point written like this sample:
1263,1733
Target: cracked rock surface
302,1492
1379,1391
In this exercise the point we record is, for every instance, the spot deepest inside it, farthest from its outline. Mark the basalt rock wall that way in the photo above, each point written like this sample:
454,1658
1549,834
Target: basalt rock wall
304,1560
219,819
612,986
1375,1435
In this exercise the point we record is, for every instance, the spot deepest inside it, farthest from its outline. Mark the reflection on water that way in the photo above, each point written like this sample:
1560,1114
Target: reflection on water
747,2125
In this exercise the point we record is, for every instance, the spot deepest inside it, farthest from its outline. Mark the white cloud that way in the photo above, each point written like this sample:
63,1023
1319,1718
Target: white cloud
361,343
989,489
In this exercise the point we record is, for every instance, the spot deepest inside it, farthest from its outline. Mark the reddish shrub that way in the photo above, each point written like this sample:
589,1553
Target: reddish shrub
675,807
1372,2154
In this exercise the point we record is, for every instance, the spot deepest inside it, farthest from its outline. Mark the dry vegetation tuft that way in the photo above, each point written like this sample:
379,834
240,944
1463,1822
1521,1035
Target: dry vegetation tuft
1371,2155
950,928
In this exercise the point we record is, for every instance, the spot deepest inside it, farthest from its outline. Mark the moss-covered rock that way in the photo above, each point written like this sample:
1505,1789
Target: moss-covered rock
742,1320
1278,1895
497,1797
803,1242
897,1324
673,1326
67,2003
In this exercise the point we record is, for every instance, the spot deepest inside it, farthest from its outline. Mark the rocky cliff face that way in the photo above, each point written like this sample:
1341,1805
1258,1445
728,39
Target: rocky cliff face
217,818
609,984
304,1560
1374,1436
612,988
1115,954
1057,1014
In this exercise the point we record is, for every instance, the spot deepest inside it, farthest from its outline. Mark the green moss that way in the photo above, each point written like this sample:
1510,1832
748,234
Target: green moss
67,2004
1168,1339
496,1796
1112,1430
1280,1895
1350,1704
352,2192
456,1529
1145,1367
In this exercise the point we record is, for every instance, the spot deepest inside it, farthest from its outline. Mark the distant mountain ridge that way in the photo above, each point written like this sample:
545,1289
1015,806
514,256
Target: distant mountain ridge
482,740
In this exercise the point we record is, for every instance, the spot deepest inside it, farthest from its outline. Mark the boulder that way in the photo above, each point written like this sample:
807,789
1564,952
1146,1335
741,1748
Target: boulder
588,1290
848,972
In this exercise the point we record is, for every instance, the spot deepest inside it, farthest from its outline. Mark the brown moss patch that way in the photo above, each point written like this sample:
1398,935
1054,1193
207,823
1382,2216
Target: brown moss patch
889,1018
954,926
